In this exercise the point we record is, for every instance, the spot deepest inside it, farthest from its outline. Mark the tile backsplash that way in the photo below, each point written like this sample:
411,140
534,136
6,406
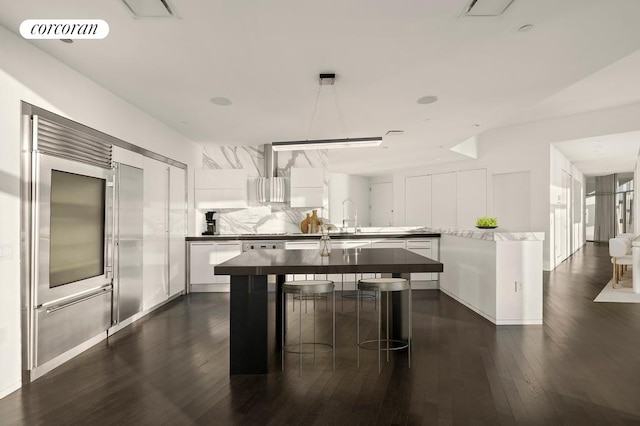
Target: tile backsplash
263,218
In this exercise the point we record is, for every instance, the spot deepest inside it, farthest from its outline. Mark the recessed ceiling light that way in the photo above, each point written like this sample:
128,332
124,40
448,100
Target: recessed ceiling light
525,28
66,40
219,100
427,100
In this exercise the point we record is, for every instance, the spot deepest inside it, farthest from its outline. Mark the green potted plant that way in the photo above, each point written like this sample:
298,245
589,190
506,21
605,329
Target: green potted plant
485,222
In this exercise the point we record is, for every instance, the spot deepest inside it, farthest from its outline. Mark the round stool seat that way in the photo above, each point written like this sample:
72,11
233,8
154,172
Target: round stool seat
308,286
383,284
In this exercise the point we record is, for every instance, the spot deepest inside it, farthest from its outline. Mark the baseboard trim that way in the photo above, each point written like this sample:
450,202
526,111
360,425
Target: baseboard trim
43,369
490,318
124,324
10,389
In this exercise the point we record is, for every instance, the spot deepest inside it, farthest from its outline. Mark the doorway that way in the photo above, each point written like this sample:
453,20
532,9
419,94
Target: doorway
381,204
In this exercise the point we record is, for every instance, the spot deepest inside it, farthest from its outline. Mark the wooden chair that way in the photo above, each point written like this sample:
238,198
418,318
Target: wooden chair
620,252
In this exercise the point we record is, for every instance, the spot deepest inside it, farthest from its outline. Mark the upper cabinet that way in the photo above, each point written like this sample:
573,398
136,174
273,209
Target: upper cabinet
223,188
307,187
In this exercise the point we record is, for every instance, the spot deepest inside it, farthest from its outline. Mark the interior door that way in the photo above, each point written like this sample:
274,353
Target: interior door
381,204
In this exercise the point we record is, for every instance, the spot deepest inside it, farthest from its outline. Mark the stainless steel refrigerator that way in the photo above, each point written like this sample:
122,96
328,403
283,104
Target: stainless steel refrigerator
127,289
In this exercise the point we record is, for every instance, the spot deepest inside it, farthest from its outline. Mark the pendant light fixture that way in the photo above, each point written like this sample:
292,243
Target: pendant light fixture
345,142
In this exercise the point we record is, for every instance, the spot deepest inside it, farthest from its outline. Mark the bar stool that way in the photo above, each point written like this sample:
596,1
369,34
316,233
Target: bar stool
380,285
307,288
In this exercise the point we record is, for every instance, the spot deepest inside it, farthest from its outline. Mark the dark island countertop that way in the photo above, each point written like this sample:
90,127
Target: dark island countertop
279,262
333,235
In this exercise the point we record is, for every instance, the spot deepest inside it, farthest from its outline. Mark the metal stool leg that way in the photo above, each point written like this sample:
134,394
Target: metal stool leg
387,329
284,343
410,325
300,338
342,289
379,328
333,331
358,323
314,329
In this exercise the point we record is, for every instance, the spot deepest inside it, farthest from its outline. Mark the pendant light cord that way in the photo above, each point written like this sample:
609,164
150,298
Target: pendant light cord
338,107
313,115
340,116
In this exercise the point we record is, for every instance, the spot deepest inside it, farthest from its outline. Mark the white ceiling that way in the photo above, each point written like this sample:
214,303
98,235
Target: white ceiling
265,57
603,155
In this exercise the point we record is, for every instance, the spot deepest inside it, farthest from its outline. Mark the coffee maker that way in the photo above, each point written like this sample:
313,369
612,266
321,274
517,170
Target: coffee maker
210,219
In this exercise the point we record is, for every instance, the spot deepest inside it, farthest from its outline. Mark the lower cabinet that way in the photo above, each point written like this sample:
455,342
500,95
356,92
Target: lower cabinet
303,245
426,248
203,257
348,281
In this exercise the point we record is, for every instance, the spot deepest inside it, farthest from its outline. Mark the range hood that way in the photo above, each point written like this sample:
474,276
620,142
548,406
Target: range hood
270,189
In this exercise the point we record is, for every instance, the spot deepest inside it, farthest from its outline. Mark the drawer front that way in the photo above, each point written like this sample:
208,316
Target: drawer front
303,245
62,329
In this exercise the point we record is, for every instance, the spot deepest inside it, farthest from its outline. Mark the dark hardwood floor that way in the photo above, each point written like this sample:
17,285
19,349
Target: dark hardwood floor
582,367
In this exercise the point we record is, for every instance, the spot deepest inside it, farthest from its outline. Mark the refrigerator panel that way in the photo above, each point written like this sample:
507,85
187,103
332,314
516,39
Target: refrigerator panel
128,295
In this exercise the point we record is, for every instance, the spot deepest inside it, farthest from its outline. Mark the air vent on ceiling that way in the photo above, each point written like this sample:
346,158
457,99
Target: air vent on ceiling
151,8
486,7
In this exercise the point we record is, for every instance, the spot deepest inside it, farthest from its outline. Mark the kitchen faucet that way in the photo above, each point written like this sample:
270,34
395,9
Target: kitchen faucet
346,219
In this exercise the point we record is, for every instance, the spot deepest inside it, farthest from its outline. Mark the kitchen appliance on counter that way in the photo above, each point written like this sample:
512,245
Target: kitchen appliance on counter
211,220
68,246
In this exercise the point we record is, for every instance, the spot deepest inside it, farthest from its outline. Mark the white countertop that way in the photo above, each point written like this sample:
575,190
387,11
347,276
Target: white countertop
490,234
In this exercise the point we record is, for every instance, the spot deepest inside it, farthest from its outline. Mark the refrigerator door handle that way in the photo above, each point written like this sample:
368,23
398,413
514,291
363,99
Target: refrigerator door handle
55,308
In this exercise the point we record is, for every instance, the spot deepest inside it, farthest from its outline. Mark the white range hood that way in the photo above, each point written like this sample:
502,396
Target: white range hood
270,189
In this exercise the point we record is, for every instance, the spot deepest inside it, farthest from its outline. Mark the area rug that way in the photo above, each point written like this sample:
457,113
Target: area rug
623,293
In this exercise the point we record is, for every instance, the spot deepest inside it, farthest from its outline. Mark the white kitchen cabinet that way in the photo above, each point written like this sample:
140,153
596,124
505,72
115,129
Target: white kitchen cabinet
519,284
418,201
202,259
306,187
204,256
302,245
221,188
444,200
347,281
395,243
500,280
426,248
471,196
226,251
155,287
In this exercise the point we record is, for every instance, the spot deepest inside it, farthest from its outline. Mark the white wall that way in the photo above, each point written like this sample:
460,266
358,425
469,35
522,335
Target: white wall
28,74
525,147
636,198
343,186
562,174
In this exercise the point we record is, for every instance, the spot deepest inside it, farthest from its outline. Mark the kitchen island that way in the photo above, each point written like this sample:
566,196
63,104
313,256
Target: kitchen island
249,318
497,274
